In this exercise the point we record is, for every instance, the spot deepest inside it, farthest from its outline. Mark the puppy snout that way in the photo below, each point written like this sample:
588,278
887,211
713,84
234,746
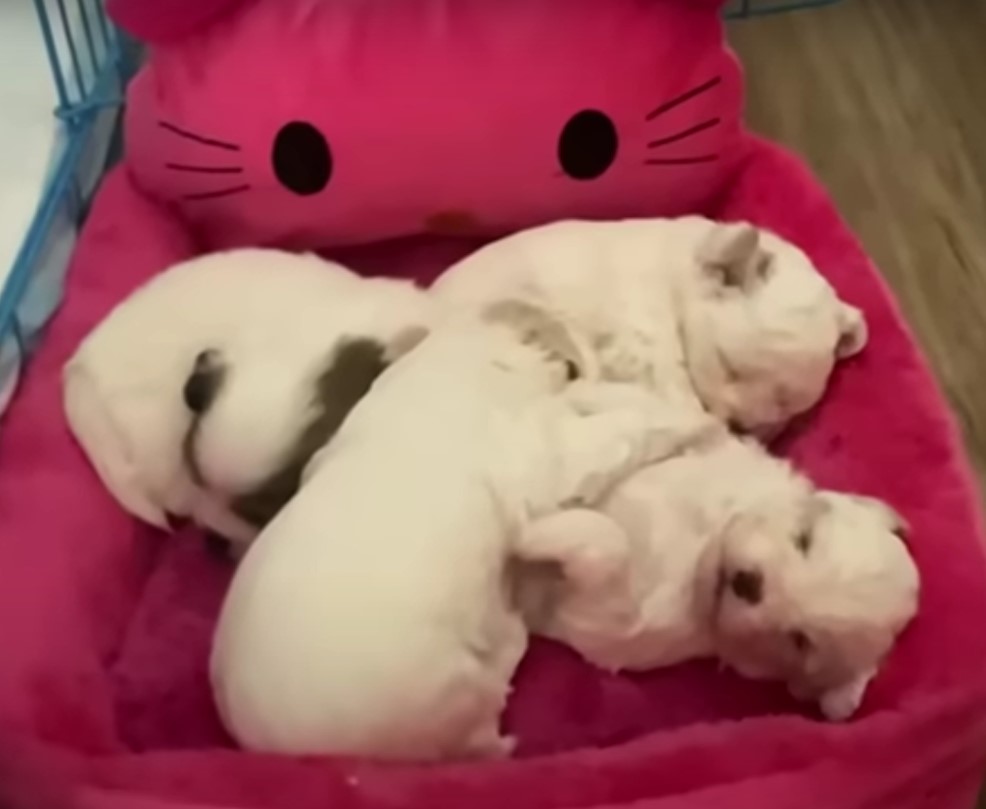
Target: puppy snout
747,585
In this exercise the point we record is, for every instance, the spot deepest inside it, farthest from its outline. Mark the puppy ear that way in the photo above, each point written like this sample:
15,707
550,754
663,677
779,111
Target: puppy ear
853,332
730,254
839,704
541,326
898,524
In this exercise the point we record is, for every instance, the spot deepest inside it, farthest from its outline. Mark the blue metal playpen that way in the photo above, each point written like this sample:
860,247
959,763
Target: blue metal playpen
89,68
90,65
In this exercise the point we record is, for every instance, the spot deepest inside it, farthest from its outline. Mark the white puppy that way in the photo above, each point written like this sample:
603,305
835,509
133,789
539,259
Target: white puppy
727,316
373,615
726,551
204,391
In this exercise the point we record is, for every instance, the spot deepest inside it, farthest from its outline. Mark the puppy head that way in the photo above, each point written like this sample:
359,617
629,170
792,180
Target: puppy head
762,329
258,419
815,594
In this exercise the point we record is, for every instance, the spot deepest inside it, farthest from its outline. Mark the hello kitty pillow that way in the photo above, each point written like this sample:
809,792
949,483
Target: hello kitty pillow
322,123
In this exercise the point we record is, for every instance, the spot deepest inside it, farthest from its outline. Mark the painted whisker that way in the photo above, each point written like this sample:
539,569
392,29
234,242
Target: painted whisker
205,141
685,133
681,161
222,192
204,169
688,95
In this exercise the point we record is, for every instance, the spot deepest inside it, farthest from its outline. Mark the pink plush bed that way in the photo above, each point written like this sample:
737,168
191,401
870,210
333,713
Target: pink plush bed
106,624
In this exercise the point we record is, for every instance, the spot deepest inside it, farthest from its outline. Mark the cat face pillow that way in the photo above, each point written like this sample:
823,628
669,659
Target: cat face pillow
323,123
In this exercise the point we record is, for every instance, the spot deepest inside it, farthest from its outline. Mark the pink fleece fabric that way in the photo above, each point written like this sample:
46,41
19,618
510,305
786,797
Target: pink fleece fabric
107,624
163,21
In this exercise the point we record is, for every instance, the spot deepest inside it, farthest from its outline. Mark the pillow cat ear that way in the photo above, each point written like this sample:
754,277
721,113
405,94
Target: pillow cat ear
161,21
853,332
729,253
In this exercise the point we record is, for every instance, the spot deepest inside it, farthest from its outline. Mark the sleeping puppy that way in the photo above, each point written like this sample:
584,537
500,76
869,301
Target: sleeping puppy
726,551
373,615
229,443
728,317
203,393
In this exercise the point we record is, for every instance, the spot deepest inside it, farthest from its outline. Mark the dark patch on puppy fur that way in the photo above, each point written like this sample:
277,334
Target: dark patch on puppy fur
352,369
199,392
204,382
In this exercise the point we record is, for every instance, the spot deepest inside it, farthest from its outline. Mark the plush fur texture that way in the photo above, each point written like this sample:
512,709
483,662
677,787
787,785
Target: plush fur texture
246,336
389,567
728,552
107,627
728,316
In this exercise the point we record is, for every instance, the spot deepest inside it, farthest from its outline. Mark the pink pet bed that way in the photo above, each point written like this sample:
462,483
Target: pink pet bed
107,624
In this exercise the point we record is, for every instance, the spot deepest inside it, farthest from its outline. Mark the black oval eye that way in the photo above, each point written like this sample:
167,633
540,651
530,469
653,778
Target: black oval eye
588,145
801,642
302,158
803,542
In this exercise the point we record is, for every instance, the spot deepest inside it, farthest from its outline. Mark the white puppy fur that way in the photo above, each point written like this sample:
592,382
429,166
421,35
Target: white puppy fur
726,551
373,615
279,320
728,316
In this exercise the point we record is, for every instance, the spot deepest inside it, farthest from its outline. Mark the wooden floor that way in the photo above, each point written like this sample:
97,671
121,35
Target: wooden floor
887,101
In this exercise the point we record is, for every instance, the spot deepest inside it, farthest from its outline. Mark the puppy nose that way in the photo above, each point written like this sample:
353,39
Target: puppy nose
747,585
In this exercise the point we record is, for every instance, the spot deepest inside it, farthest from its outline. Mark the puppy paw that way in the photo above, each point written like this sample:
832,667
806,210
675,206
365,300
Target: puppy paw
839,704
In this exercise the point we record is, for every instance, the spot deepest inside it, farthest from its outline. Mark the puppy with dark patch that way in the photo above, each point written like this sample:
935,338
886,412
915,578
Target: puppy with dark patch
258,489
203,394
373,616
